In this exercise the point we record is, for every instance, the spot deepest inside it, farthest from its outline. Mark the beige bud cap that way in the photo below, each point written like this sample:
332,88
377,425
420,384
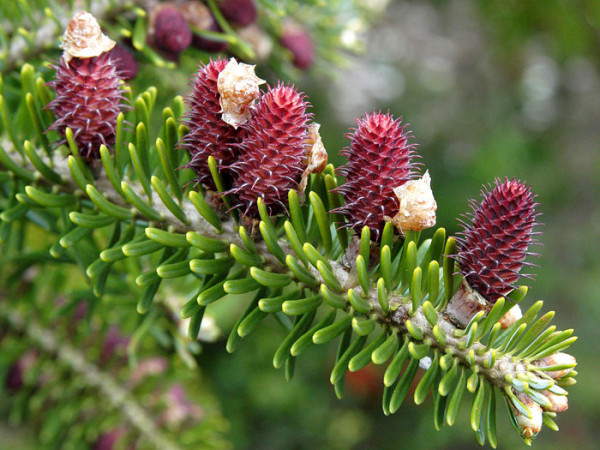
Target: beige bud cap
529,427
417,205
511,317
83,38
238,89
559,403
317,155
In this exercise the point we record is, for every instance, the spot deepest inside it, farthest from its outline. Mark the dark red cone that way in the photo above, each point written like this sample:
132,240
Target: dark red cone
492,248
379,159
88,100
274,152
209,135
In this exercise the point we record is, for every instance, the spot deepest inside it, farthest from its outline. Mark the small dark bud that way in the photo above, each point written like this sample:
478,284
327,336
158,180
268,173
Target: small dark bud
238,12
114,344
297,40
109,439
15,378
169,29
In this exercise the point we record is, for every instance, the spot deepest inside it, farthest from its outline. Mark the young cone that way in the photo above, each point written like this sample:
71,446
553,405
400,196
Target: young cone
379,160
88,95
274,153
209,135
493,247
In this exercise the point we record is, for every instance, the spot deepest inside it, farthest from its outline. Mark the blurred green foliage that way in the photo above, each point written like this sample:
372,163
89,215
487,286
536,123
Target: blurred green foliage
490,89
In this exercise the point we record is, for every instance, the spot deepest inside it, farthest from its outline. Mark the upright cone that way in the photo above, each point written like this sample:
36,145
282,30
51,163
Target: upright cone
380,158
492,248
274,152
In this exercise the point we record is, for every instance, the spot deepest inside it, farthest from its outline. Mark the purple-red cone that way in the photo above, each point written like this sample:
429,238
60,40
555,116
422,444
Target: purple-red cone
379,159
209,135
274,152
88,101
493,246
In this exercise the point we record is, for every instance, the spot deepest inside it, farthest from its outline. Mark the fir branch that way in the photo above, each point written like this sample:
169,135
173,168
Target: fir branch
500,373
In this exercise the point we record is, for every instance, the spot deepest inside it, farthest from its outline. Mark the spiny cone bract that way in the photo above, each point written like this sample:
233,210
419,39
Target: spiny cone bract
493,247
209,135
274,152
88,101
380,158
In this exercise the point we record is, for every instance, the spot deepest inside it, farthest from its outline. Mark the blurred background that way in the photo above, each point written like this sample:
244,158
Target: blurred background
501,88
490,89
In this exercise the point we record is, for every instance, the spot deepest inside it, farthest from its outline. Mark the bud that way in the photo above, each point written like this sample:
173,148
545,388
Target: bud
109,439
168,29
560,403
379,159
114,344
297,40
19,370
417,205
529,427
238,89
511,317
557,359
238,12
127,66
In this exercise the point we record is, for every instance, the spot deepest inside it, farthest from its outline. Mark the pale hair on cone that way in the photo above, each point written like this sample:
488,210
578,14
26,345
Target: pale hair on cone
83,38
317,155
